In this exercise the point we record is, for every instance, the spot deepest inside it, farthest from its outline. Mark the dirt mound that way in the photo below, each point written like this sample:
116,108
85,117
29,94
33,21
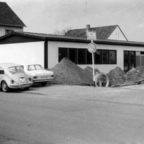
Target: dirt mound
117,71
116,76
67,72
132,75
140,71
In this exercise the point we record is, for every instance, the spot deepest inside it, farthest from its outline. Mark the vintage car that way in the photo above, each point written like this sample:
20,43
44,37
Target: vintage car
12,76
38,73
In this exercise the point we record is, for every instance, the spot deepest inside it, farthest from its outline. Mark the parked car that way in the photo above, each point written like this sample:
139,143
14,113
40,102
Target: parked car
38,73
12,76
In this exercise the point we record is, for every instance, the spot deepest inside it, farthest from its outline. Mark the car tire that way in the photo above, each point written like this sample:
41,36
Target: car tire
44,83
27,88
4,87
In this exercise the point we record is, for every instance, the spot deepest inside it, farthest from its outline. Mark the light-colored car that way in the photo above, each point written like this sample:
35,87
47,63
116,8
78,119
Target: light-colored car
38,73
12,76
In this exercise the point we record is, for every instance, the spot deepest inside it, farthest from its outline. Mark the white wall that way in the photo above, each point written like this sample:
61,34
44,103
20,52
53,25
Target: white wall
2,29
22,53
53,54
117,35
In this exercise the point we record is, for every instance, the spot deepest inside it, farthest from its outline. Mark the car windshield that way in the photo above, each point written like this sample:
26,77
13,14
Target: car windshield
15,69
34,67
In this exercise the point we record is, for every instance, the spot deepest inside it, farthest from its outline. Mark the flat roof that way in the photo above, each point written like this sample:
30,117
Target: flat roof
52,37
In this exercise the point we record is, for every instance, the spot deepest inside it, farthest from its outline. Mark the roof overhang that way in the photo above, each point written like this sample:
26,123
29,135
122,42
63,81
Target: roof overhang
8,25
72,39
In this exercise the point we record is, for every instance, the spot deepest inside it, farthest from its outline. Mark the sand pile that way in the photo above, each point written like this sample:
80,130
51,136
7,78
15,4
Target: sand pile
116,76
67,72
135,74
140,71
132,76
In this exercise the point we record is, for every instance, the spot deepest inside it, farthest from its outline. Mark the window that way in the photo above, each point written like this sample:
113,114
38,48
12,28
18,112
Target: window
126,61
15,69
112,57
30,67
105,57
34,67
129,60
8,31
98,57
132,59
141,52
89,57
1,71
82,56
138,58
73,55
63,52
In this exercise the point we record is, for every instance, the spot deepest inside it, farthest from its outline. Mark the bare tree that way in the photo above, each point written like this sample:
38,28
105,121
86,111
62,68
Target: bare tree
62,32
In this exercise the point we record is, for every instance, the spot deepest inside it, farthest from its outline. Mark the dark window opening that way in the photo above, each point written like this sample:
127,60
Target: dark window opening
89,57
63,52
105,57
112,57
82,56
129,60
73,55
8,31
141,52
98,57
1,71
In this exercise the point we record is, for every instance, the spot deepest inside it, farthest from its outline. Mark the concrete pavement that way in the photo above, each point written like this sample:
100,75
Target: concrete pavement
59,114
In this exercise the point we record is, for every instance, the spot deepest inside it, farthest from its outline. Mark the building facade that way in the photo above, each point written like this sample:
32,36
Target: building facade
49,50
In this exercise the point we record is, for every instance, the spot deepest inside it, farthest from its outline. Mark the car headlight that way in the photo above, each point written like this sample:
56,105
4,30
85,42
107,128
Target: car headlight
30,79
12,81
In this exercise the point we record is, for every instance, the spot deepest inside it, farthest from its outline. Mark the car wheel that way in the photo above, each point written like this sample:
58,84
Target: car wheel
27,88
4,87
44,83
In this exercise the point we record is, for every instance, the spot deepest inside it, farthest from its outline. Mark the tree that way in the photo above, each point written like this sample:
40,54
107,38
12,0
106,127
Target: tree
62,32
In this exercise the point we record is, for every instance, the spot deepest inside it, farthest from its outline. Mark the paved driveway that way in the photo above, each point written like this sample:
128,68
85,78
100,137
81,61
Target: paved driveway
59,114
128,94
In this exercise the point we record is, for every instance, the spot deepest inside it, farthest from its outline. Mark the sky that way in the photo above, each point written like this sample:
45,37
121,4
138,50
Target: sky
48,16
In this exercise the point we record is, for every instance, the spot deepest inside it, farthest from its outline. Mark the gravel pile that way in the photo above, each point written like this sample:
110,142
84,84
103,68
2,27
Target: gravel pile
116,76
67,72
140,71
132,75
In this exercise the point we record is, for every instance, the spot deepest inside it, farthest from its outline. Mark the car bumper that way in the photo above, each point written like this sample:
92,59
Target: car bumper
42,80
20,86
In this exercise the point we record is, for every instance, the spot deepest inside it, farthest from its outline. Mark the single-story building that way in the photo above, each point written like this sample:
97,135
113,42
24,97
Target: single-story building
48,50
